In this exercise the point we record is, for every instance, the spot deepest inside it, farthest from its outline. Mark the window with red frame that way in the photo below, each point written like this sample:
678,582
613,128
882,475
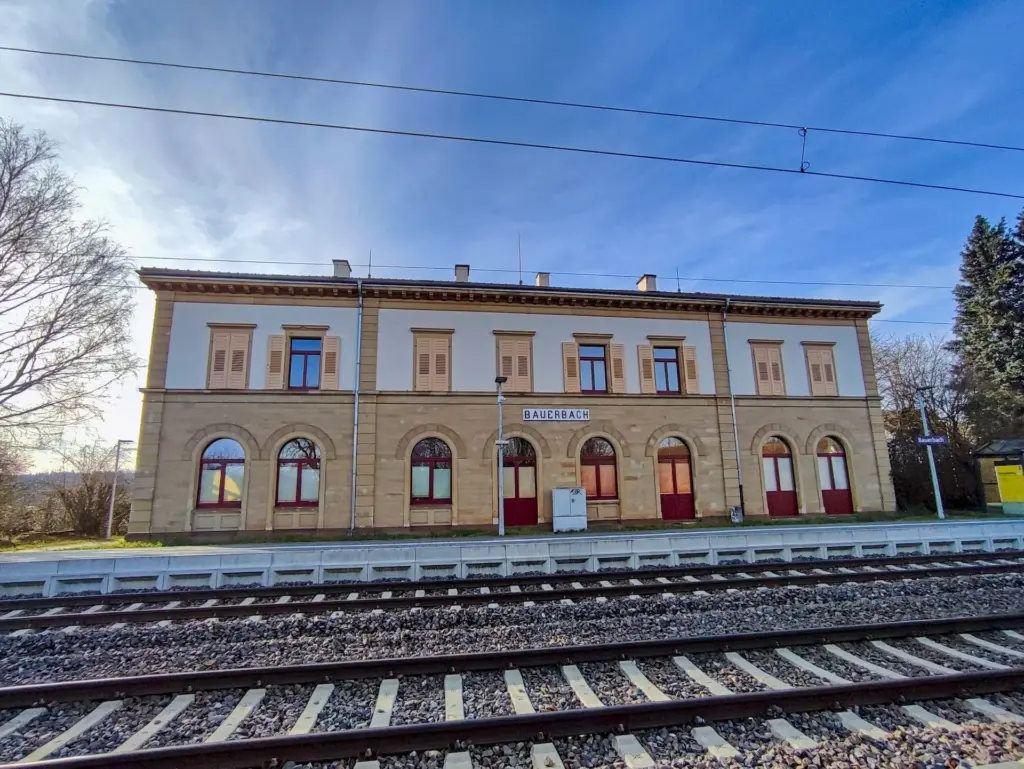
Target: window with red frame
298,474
597,469
221,474
666,370
304,364
593,368
431,473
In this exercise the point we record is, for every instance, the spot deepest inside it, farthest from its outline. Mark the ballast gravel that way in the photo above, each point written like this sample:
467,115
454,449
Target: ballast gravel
821,657
116,728
420,700
58,718
292,639
484,695
911,646
870,653
666,675
774,665
350,705
548,690
610,684
199,720
276,714
727,674
588,751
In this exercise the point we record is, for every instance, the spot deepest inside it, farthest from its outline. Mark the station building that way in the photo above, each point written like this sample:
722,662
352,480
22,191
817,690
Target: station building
281,404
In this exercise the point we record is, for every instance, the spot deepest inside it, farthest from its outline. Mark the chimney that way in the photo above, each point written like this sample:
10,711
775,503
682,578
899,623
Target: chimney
342,269
647,283
543,279
462,273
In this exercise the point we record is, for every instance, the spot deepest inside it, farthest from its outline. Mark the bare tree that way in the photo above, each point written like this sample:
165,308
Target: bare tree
66,298
903,364
12,516
86,501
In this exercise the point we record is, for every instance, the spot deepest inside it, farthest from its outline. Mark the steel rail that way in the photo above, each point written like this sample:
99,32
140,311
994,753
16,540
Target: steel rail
274,751
275,591
27,695
38,622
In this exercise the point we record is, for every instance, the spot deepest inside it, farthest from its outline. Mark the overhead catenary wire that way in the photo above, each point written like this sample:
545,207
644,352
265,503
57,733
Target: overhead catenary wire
592,151
516,99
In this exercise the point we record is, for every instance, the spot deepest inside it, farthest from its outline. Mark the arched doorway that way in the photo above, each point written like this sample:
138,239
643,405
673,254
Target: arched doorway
779,488
675,480
520,482
834,478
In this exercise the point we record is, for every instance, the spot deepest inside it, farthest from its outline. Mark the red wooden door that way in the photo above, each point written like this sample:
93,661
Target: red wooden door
520,483
675,481
780,491
835,484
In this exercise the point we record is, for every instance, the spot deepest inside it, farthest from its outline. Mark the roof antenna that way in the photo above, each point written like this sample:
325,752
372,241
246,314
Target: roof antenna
678,290
369,266
519,241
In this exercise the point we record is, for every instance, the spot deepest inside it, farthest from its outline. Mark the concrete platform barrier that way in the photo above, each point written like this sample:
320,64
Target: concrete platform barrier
104,571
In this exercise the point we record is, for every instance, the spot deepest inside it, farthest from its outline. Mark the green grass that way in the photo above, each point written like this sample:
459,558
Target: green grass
64,542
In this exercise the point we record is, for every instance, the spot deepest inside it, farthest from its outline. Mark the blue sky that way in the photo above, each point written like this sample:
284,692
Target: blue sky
195,187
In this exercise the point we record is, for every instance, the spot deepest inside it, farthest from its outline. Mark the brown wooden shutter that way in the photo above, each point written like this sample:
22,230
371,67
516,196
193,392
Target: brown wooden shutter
762,371
523,376
570,367
506,362
220,350
440,376
828,367
421,358
617,353
775,363
275,361
330,363
814,370
645,355
238,361
690,370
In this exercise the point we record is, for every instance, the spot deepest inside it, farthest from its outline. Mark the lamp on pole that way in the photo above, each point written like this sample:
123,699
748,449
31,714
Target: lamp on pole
500,443
113,486
919,398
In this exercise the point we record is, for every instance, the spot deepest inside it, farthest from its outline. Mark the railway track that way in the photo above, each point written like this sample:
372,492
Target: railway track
450,702
28,614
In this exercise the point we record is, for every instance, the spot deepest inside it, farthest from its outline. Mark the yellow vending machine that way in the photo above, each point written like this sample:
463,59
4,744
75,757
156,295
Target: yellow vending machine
1010,476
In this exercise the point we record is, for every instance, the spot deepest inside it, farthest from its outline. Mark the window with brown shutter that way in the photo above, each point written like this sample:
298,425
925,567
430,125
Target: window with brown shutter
768,371
821,369
431,360
331,363
690,370
229,357
515,353
570,367
645,356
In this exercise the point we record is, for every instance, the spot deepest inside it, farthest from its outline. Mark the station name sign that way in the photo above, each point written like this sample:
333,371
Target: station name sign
556,415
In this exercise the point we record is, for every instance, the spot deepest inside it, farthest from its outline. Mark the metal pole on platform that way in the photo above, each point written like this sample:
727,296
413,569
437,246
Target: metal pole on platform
113,486
500,453
919,397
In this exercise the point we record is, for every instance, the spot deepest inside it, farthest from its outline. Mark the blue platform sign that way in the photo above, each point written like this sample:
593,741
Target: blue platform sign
932,440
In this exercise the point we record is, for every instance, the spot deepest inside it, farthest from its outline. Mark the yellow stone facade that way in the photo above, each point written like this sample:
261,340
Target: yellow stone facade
178,424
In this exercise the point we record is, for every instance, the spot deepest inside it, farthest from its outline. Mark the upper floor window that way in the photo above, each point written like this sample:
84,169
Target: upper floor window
768,372
821,369
666,370
229,358
593,368
304,363
221,474
432,361
515,354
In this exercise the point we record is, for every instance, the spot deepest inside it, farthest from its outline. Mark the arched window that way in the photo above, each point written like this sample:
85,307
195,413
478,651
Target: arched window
298,474
221,474
597,469
431,473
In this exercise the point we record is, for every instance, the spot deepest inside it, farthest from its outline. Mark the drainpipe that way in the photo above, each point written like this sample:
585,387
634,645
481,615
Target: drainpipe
355,404
732,399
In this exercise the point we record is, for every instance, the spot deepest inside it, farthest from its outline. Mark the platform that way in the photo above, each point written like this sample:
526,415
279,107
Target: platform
164,568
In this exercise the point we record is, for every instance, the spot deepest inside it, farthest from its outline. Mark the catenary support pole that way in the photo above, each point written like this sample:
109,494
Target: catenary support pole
355,406
113,486
501,461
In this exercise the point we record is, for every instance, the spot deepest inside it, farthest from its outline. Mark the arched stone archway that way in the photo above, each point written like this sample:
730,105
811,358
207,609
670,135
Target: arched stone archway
221,430
603,429
422,431
791,437
298,430
821,431
673,431
517,430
